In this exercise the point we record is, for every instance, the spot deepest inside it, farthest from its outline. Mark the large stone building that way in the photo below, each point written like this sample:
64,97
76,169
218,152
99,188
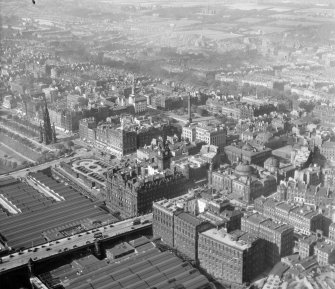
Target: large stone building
328,176
139,103
303,218
244,181
236,257
332,231
302,193
325,253
278,237
145,133
306,246
247,153
246,109
186,232
325,113
210,135
327,150
178,221
131,191
116,140
196,167
166,102
68,119
87,129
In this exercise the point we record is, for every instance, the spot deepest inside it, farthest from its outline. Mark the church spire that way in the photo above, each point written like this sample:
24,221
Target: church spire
41,133
54,136
47,125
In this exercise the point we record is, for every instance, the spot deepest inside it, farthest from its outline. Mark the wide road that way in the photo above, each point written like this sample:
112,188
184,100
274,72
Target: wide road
75,241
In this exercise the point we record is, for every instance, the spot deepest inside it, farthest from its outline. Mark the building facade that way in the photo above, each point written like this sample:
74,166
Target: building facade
87,129
243,181
306,246
210,135
235,257
116,140
305,219
186,233
247,153
325,253
278,237
131,192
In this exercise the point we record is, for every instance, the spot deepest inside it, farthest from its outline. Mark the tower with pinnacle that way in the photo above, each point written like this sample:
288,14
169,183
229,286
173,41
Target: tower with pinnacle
47,129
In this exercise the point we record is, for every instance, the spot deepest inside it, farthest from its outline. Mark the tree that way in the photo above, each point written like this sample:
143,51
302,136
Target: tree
69,144
82,101
201,111
307,106
181,111
14,165
316,121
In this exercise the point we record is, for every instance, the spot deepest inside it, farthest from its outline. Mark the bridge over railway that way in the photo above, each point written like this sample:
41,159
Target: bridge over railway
74,243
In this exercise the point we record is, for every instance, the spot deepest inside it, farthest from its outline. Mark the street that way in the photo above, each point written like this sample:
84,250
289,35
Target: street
73,242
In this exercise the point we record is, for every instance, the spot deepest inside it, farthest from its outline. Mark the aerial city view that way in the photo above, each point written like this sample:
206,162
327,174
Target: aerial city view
167,144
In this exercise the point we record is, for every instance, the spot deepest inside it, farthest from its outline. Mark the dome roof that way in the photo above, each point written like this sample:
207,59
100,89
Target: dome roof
271,161
243,170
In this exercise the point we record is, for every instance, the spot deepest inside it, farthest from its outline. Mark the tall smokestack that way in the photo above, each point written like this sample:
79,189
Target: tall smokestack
189,108
133,85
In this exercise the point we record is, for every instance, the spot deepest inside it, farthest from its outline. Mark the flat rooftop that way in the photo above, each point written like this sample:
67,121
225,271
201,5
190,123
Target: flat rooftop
227,239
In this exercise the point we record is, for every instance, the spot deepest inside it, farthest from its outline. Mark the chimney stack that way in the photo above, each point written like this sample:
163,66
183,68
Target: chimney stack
189,108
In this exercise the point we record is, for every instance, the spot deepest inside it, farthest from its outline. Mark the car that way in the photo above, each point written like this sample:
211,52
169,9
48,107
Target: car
57,242
21,253
35,250
48,249
79,235
43,246
11,256
69,238
111,226
65,249
60,250
137,221
35,258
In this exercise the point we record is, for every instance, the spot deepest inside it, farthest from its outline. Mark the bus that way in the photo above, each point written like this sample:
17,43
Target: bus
137,221
98,235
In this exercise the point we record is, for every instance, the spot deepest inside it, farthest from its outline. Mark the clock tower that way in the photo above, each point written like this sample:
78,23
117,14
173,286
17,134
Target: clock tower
164,156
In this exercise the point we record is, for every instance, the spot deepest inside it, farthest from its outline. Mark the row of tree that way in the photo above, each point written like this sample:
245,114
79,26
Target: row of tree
4,162
18,138
20,128
25,123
